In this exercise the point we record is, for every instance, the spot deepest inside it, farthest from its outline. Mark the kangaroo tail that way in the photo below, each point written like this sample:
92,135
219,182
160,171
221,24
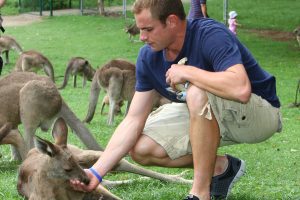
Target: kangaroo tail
66,77
94,95
79,128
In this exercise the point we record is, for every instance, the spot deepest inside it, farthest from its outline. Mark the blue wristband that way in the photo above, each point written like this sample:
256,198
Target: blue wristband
95,173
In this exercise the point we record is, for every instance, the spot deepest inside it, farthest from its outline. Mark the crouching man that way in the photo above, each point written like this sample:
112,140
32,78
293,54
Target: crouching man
230,99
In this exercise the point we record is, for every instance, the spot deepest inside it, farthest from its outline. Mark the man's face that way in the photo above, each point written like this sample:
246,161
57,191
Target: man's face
152,31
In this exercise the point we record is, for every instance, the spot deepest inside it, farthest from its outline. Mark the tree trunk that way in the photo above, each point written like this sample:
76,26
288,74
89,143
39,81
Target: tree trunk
101,7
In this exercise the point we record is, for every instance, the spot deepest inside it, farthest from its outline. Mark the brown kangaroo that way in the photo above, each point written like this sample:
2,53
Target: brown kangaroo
78,66
105,101
117,77
297,34
132,30
34,101
47,169
33,61
6,44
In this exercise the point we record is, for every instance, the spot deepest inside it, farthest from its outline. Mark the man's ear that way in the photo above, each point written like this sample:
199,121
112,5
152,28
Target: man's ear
172,21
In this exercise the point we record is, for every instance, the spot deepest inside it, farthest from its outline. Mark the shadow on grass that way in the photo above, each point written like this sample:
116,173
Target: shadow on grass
9,165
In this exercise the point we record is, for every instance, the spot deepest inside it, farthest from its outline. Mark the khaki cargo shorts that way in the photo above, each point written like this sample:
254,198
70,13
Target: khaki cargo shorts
253,122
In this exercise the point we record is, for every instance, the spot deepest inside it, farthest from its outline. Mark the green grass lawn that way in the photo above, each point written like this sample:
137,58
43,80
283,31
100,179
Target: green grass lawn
272,166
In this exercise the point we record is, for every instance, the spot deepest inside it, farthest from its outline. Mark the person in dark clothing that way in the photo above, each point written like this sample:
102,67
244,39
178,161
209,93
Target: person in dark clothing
2,2
198,9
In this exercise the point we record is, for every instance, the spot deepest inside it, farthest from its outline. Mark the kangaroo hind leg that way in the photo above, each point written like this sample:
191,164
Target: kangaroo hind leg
40,103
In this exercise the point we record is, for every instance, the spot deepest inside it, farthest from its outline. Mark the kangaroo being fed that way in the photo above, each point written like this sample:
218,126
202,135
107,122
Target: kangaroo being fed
6,44
47,169
34,101
78,66
33,61
117,78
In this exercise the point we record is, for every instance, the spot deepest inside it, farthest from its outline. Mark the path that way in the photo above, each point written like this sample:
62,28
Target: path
29,18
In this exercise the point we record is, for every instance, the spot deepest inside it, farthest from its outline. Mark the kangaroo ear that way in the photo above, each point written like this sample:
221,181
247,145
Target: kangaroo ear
45,146
60,132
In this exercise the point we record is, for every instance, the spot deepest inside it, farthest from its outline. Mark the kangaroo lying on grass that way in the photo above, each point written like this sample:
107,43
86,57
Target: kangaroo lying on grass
34,101
78,66
117,77
6,44
33,61
47,169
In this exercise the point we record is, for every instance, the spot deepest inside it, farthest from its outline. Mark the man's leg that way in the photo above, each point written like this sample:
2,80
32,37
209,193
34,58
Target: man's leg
165,143
205,138
148,152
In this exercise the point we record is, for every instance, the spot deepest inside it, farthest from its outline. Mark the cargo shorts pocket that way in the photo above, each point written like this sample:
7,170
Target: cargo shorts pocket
235,113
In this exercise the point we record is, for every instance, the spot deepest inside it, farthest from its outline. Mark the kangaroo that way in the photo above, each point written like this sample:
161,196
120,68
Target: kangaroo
117,77
47,169
34,101
105,101
33,61
78,66
158,101
6,44
132,30
297,33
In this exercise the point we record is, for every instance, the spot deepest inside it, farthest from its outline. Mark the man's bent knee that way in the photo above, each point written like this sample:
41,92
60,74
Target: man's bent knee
196,100
146,151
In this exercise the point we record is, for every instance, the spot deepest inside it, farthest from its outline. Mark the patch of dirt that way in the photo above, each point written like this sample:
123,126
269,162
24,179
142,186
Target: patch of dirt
29,18
32,17
20,20
274,35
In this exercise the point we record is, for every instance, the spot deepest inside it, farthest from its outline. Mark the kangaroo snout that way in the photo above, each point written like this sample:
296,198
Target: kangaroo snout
85,180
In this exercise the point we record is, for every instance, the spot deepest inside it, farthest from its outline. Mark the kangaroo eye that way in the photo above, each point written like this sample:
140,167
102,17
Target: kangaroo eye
68,169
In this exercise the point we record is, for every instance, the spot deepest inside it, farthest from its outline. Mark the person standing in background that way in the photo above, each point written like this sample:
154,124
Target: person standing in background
198,9
232,21
2,2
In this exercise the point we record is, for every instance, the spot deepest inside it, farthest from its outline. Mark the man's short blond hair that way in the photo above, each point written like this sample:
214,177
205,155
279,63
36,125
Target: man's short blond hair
160,9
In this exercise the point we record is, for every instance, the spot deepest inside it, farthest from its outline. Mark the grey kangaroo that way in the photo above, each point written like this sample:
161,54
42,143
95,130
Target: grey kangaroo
132,30
33,61
117,78
297,34
105,101
47,169
6,44
78,66
34,101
